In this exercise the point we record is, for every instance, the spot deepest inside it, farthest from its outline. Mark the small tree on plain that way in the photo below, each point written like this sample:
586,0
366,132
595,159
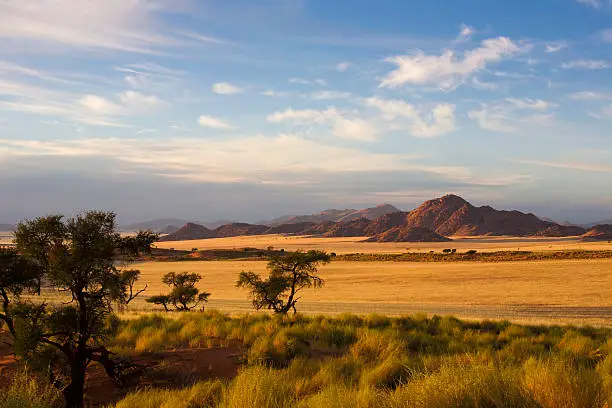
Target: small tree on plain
184,296
79,257
288,275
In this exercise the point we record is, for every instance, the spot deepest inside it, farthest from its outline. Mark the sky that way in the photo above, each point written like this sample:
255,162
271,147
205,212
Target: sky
246,110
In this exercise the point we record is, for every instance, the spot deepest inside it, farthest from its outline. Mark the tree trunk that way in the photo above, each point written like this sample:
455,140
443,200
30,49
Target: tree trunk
73,393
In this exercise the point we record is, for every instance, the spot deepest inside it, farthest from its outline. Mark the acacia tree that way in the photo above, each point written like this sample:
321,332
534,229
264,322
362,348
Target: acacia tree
184,296
288,275
79,257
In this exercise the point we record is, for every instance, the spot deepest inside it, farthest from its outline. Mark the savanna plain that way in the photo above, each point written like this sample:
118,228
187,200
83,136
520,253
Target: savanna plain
434,330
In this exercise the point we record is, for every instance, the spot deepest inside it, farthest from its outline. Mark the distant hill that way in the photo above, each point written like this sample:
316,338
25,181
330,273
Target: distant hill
433,221
237,229
593,224
334,215
163,225
168,230
408,234
188,232
6,227
452,215
599,233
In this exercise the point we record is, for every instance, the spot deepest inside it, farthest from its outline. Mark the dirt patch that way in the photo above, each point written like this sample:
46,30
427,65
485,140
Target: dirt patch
175,368
167,369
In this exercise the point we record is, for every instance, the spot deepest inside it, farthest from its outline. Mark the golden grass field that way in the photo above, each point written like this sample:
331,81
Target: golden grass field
575,291
562,291
569,291
353,244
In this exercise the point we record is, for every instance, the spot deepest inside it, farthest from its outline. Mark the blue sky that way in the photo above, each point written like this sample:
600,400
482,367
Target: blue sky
251,109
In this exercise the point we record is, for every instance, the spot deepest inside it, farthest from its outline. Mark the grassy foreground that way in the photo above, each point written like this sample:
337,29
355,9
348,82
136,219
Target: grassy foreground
372,361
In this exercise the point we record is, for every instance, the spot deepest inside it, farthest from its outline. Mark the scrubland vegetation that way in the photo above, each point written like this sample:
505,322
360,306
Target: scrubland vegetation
372,361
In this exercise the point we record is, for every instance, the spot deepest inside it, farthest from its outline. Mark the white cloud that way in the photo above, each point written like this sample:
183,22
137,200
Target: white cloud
556,47
591,96
585,64
138,102
304,116
89,109
342,125
465,33
119,25
439,121
494,121
211,122
606,35
224,88
509,115
204,38
594,3
448,70
100,105
534,104
271,93
330,95
354,129
570,166
343,66
488,86
303,81
605,113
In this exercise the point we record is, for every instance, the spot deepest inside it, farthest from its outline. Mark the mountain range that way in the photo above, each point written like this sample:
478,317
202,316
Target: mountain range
334,216
168,225
434,220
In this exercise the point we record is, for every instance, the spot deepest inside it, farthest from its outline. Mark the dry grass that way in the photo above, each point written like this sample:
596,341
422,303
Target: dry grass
353,244
572,291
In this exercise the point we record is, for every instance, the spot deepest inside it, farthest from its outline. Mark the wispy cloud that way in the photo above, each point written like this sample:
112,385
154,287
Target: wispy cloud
132,26
606,35
507,116
556,47
595,3
329,95
585,64
591,96
599,168
341,125
343,66
439,121
232,160
214,123
449,70
302,81
224,88
604,113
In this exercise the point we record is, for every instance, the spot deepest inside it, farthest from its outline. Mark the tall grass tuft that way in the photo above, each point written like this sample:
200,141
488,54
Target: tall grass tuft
27,391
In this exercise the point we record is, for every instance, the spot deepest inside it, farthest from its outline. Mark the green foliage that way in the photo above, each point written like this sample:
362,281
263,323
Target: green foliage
288,275
82,256
184,296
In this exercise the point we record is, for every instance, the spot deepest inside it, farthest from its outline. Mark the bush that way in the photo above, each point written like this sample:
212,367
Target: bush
203,394
27,391
258,387
554,383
